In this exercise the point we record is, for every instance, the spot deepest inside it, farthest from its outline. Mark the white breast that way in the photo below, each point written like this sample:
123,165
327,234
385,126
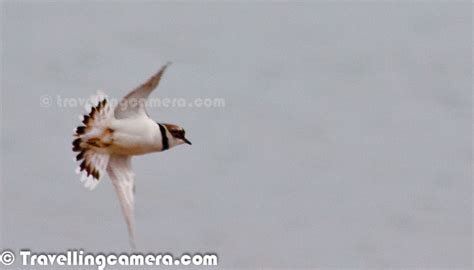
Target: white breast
135,136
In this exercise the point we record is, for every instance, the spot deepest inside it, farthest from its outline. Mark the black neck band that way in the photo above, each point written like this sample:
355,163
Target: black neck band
164,137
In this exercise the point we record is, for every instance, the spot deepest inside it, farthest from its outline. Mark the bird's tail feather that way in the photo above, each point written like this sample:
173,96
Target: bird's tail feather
91,140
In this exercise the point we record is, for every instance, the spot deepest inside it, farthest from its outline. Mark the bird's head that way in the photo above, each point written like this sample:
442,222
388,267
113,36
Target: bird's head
177,134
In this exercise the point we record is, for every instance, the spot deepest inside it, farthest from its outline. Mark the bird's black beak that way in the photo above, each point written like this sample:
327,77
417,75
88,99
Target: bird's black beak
187,141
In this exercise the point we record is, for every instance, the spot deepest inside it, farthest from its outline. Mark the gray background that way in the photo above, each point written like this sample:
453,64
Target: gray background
345,140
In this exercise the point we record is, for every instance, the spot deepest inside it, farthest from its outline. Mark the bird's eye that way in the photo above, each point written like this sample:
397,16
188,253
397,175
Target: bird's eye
178,133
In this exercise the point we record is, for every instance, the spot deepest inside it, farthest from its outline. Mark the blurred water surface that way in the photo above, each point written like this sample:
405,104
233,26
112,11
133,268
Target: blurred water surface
345,140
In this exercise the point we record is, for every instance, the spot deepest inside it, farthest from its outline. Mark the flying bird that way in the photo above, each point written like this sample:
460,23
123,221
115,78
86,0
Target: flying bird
109,137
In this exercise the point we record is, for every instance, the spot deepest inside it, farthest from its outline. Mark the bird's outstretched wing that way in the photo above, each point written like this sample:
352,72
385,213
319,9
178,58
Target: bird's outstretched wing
133,104
120,172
